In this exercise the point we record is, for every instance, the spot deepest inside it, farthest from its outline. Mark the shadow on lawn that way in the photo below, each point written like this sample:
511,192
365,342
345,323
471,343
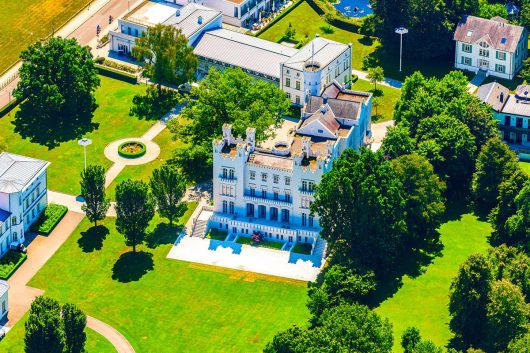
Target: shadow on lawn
131,266
162,234
93,238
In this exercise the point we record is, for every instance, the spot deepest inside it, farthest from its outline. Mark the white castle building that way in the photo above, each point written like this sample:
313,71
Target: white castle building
23,196
269,189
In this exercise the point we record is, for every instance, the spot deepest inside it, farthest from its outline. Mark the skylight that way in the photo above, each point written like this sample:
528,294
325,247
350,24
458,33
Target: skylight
469,33
503,40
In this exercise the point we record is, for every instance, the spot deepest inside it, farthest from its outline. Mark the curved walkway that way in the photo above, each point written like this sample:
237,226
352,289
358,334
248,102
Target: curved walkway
119,342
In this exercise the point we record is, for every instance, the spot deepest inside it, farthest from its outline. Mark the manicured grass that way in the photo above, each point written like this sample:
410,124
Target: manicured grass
386,96
307,23
114,99
10,262
144,171
14,341
302,248
25,21
216,234
525,166
423,301
163,305
49,218
264,243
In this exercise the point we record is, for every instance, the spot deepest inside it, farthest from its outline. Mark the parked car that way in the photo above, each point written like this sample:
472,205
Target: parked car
18,248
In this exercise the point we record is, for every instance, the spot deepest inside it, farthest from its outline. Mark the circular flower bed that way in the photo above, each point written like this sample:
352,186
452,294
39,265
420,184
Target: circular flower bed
131,149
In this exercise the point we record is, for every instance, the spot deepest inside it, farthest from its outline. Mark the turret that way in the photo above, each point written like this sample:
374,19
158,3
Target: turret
227,133
251,139
306,147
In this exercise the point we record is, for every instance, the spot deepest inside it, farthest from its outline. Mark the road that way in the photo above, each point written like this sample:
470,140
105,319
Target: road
82,27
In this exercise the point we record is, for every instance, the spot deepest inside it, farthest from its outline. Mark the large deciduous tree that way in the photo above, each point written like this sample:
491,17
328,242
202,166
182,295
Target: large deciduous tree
362,210
228,97
44,332
495,163
74,323
518,225
398,141
134,209
57,84
423,191
96,203
168,187
167,55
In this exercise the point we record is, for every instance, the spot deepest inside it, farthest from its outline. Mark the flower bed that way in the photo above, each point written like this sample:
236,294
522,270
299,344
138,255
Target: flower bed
49,218
10,262
216,234
263,243
131,149
302,248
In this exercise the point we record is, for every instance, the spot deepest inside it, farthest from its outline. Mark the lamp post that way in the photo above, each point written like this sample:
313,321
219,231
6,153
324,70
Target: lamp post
84,142
401,31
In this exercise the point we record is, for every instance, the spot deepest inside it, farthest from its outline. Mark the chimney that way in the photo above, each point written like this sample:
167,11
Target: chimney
324,99
199,20
323,109
501,98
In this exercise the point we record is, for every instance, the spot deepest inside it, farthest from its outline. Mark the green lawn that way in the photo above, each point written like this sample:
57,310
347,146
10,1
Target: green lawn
386,96
14,341
525,166
164,305
25,21
307,23
144,171
114,98
423,301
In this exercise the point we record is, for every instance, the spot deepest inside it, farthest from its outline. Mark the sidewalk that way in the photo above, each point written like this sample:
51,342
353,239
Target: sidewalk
389,82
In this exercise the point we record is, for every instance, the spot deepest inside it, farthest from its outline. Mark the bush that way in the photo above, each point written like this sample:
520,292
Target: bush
49,218
131,149
116,74
115,65
10,262
216,234
302,248
354,78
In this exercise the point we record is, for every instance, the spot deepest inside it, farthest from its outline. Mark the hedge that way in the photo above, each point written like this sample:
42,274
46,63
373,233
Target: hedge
10,262
51,216
8,107
126,154
117,74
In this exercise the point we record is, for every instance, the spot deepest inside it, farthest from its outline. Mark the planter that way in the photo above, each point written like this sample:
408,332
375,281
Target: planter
131,149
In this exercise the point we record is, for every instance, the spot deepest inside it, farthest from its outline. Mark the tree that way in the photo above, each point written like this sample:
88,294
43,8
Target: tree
155,103
96,204
228,97
167,55
495,163
506,207
57,84
524,74
506,314
361,210
375,74
520,344
168,187
449,146
44,332
423,192
134,210
488,10
468,298
74,323
398,141
290,32
410,339
518,225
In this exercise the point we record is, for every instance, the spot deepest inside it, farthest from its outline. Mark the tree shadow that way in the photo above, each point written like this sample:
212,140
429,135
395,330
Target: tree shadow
455,206
366,40
93,238
131,266
162,234
52,130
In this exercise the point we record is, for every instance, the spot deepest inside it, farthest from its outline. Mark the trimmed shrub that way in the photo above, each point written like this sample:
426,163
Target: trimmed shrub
131,149
49,218
10,262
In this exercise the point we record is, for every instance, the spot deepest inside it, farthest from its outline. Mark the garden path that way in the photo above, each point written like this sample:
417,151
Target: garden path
390,82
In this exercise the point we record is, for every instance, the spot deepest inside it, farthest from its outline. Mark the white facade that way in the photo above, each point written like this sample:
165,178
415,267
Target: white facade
23,196
4,303
495,47
270,190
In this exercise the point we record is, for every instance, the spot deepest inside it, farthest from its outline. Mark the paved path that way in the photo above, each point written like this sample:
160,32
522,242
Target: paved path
82,27
111,334
476,81
379,132
389,82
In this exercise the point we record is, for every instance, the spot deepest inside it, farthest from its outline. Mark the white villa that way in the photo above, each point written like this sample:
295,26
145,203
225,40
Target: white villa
299,72
269,188
511,110
4,303
23,196
493,46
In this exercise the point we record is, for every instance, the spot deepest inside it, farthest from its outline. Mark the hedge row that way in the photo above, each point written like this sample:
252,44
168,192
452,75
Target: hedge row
8,107
336,18
127,154
49,218
116,74
10,262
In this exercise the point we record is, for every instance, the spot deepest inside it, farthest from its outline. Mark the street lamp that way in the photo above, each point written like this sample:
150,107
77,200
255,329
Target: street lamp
401,31
84,142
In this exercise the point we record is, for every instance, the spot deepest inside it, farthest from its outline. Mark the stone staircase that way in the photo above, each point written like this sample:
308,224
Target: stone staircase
320,248
199,228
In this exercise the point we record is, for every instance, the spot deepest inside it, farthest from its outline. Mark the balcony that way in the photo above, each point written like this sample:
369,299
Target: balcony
256,199
306,192
223,179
